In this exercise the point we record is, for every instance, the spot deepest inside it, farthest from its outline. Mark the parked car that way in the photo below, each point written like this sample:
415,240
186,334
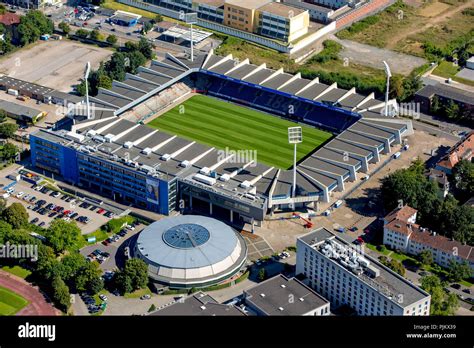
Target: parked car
467,291
456,286
103,297
35,220
41,224
100,211
145,297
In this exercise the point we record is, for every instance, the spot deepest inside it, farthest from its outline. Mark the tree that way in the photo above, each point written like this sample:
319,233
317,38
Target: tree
435,106
459,270
65,28
5,231
96,35
82,33
115,67
262,274
134,276
96,285
7,130
8,152
145,48
112,39
152,308
135,59
61,293
71,265
3,116
47,265
441,303
16,215
451,109
3,204
62,235
33,25
147,26
426,257
158,18
463,179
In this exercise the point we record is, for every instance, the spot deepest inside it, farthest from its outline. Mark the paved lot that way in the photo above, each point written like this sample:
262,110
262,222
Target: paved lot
373,56
97,220
54,64
257,246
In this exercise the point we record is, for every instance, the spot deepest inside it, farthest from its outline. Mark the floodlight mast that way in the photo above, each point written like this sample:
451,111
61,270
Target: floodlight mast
295,136
191,18
86,77
389,74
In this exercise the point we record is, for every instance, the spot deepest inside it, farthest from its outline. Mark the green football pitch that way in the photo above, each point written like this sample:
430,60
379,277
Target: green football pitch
10,302
225,125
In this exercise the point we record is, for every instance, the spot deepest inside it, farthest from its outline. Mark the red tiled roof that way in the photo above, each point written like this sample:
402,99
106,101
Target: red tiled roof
463,149
401,214
9,19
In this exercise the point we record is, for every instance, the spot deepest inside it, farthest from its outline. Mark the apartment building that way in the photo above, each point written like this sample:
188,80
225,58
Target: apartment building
401,232
344,275
463,150
210,10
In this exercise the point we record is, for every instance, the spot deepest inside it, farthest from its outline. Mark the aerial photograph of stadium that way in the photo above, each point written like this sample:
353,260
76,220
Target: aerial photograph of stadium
237,158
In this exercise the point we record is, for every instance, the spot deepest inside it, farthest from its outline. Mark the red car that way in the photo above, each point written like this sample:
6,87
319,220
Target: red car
66,212
100,211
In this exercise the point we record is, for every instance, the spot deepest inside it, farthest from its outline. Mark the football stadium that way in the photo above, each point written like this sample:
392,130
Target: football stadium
209,137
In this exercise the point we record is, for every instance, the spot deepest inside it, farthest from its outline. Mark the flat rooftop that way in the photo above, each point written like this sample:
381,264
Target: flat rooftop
388,283
272,297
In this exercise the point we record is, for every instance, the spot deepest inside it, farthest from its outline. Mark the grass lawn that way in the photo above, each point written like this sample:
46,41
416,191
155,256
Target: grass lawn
10,302
17,270
225,125
448,70
138,293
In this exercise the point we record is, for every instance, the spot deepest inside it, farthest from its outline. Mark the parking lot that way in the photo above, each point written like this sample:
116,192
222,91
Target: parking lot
114,251
61,208
55,64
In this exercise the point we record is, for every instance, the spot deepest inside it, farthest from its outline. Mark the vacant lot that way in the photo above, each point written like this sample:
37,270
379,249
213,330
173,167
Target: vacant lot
10,302
217,123
55,64
406,28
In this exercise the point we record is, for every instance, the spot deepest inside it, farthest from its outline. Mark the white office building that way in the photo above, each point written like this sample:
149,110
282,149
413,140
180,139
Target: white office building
344,275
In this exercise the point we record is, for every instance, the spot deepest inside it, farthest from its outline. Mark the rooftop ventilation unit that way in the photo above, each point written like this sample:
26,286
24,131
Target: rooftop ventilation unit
146,151
166,157
91,133
205,179
203,307
75,136
246,184
301,299
185,164
109,137
262,295
224,177
204,171
283,285
99,138
128,144
280,309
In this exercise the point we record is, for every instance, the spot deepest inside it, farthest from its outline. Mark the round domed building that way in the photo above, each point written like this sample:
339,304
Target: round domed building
190,251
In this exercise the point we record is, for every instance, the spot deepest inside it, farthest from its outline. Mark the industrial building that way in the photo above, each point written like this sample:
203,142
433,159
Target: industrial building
21,112
118,158
282,296
401,232
444,93
347,277
123,18
190,251
38,92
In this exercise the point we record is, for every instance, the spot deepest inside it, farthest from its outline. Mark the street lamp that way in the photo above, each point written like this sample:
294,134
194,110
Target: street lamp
86,76
295,136
389,75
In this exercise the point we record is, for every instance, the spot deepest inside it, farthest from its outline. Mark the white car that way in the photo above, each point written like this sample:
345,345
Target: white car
56,194
19,194
103,297
10,190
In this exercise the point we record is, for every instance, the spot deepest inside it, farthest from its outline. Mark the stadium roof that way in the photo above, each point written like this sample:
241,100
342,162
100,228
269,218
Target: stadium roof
170,156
